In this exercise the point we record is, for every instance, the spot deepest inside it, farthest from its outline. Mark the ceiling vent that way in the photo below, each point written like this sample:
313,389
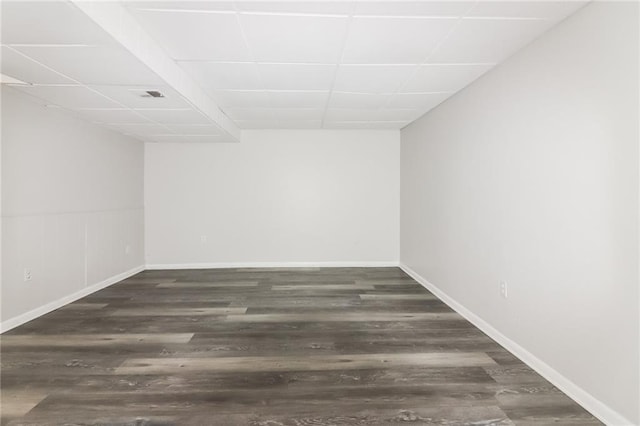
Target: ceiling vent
152,94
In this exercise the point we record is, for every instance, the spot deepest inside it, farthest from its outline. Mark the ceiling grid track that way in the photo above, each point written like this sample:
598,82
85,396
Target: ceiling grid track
253,58
337,67
435,49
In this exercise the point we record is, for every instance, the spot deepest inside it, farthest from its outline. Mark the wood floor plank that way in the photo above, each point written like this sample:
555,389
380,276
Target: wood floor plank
226,284
322,287
146,280
398,297
84,306
299,302
354,306
216,408
312,362
313,346
345,317
155,312
547,415
92,340
405,376
285,401
445,416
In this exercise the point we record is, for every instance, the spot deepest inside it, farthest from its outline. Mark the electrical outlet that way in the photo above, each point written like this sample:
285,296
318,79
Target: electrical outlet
26,274
127,249
504,289
203,239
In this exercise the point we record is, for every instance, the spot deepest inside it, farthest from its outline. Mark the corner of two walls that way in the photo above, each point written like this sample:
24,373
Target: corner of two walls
72,208
529,176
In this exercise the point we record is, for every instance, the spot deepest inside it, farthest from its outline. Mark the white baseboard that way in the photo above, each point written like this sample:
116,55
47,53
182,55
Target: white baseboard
45,309
272,265
596,407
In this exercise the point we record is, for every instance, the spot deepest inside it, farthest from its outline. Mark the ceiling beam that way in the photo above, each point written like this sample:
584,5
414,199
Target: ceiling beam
113,18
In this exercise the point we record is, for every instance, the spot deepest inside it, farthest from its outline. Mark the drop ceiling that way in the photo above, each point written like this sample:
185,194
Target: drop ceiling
224,66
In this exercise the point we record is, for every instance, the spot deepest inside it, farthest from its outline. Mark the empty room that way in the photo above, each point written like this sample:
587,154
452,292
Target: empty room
287,213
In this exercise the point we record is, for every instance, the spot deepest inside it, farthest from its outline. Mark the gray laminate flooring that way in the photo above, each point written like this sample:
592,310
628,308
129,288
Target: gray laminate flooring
268,347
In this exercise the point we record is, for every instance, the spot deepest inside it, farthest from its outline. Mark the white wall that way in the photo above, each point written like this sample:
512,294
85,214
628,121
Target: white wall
72,202
280,196
530,175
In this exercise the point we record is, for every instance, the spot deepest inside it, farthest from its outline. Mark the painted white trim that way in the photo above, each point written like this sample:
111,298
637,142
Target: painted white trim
596,407
45,309
374,264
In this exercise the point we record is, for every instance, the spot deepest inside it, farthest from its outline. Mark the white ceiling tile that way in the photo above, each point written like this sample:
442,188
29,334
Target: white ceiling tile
141,129
351,114
225,75
48,22
444,77
195,129
387,125
298,99
73,97
286,38
251,114
120,115
488,40
136,96
526,9
19,66
188,35
296,76
218,5
94,64
357,100
292,114
413,8
347,124
174,116
220,138
393,40
421,101
167,138
388,114
299,7
257,124
371,78
300,124
118,129
240,98
227,138
398,114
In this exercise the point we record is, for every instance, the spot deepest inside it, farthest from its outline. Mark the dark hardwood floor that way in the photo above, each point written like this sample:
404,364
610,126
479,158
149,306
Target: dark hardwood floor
268,347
